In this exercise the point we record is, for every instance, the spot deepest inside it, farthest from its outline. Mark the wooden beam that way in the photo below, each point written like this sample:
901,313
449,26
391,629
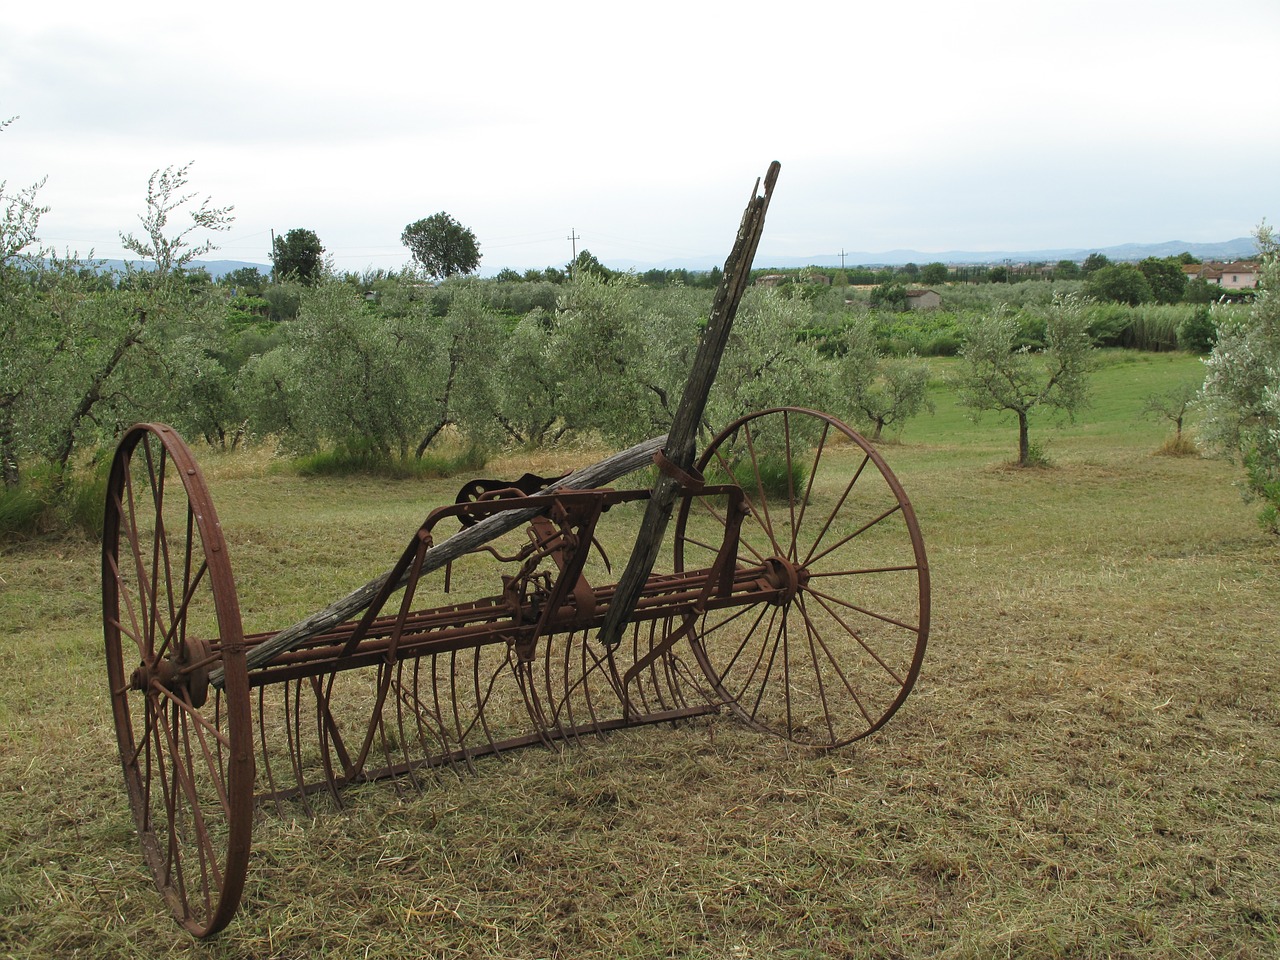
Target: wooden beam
684,429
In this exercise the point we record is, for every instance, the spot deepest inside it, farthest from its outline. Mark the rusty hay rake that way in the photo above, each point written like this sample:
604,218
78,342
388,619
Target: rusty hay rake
793,595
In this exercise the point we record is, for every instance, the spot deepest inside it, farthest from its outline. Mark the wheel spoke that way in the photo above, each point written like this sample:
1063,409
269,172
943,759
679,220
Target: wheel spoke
819,448
835,511
884,618
857,533
815,638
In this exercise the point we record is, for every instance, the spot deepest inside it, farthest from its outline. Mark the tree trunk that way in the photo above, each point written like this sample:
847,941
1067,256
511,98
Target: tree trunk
93,394
1024,440
8,455
444,405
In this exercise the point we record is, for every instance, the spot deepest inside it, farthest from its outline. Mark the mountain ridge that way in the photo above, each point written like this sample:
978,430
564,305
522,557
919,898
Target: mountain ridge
1238,249
1228,250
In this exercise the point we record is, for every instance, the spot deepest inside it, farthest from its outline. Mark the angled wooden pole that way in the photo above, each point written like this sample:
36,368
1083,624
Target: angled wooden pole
594,475
679,450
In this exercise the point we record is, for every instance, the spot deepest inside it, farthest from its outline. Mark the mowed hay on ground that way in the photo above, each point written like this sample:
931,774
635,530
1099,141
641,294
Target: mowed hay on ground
1087,768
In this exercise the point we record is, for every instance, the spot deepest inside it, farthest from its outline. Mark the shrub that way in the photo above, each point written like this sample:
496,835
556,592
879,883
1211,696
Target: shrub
345,461
1197,333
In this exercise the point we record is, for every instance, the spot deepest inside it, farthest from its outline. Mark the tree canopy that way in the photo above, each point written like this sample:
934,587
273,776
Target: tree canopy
298,255
442,246
1121,283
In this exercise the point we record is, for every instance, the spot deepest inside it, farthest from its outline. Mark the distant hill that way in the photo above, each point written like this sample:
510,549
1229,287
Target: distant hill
215,268
1238,249
1242,248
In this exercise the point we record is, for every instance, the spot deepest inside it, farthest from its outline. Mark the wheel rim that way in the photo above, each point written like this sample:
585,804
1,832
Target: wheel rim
170,614
835,654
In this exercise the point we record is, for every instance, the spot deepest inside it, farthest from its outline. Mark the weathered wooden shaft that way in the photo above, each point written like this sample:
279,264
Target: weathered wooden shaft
596,475
679,450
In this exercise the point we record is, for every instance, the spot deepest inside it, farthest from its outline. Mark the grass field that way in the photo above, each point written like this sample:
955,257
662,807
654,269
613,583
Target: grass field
1088,767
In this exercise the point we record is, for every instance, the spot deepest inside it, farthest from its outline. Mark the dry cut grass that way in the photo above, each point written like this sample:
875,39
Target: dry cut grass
1087,768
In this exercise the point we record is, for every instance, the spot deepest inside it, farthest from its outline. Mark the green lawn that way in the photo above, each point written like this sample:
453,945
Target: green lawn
1088,766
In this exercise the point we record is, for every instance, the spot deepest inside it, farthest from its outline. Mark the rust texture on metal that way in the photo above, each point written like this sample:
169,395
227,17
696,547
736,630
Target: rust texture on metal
795,598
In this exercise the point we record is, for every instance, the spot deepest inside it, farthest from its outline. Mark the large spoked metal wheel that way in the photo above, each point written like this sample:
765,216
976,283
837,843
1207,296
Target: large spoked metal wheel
835,653
170,616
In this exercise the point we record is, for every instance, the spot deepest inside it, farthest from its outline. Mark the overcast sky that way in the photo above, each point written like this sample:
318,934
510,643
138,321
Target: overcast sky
986,125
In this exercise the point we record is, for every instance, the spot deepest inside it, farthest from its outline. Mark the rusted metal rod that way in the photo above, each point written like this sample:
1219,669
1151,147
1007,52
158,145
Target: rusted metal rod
597,474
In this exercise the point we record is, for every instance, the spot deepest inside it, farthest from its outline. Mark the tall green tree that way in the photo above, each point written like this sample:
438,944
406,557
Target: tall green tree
998,375
441,246
298,255
1094,262
1165,277
934,273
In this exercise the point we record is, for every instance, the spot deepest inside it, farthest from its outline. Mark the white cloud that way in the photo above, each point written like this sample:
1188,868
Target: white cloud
933,125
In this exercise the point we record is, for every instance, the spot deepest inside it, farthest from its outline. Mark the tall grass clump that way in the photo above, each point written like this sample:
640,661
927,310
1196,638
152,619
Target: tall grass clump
778,479
345,461
47,501
27,509
1155,326
84,498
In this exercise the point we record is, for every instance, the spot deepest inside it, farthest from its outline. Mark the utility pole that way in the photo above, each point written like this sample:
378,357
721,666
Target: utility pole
842,258
273,255
573,238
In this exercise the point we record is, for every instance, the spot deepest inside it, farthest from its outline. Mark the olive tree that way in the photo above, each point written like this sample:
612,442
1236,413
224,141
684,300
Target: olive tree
621,365
877,390
169,250
1241,393
1172,406
344,376
996,374
373,382
22,347
457,352
529,392
768,362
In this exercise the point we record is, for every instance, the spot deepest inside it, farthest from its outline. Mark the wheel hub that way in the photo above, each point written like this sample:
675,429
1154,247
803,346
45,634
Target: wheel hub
186,671
785,577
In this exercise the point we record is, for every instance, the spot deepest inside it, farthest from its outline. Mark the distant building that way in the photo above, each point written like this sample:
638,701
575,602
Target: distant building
1240,275
923,300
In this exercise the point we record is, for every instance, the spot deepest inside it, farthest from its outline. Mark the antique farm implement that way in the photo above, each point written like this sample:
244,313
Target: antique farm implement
794,595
